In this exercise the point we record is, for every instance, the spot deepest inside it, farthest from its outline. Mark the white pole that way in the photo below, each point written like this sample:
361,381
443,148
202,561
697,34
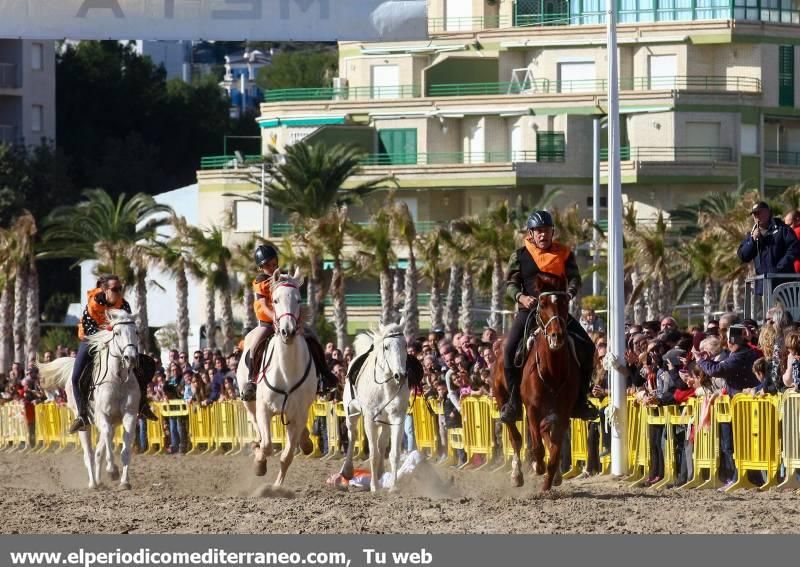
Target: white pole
596,202
616,290
263,213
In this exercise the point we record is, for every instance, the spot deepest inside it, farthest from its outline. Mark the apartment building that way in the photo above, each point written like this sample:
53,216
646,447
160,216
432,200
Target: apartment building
27,91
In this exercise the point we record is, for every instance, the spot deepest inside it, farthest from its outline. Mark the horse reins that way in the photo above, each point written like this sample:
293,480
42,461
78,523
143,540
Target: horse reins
375,380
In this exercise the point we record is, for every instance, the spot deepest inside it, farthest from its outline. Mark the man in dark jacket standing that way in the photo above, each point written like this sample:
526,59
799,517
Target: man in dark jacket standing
771,244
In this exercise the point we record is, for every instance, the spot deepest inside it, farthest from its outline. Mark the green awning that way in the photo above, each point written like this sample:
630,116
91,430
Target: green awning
303,121
270,123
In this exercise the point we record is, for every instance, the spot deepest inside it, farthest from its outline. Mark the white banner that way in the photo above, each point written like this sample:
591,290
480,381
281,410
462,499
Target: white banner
231,20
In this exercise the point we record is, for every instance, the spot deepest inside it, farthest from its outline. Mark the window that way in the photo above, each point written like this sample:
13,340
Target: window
37,117
702,143
663,71
603,202
748,143
247,216
786,75
37,56
576,76
398,146
385,81
550,146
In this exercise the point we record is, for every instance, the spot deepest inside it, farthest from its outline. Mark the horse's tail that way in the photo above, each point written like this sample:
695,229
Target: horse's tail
56,374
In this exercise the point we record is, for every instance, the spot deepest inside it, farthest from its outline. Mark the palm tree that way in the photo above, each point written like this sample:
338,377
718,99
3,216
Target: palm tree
214,258
405,230
115,233
7,267
431,250
307,182
700,260
492,236
453,293
332,229
463,259
376,256
174,256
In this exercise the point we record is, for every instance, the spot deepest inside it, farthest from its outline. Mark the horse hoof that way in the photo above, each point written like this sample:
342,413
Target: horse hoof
260,468
347,471
517,481
125,485
113,475
93,486
557,481
539,469
254,445
305,443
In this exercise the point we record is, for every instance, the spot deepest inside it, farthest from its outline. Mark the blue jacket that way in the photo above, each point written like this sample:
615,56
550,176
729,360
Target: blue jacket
773,253
737,370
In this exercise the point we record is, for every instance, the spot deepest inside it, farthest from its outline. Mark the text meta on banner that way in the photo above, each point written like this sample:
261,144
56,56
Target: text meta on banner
222,20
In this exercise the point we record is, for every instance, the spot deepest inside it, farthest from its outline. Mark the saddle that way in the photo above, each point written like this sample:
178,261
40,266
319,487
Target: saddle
258,351
414,371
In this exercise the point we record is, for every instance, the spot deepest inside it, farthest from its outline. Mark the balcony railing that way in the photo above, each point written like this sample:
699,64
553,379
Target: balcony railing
228,162
547,86
773,157
8,134
373,299
438,25
8,76
672,153
422,227
345,93
446,158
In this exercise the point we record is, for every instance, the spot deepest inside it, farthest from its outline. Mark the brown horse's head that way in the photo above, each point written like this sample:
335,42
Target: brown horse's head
552,309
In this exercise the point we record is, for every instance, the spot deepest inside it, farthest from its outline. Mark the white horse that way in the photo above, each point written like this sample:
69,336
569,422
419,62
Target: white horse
116,394
380,394
287,380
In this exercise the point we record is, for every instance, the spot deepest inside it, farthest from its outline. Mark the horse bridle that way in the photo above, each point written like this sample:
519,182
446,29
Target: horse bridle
113,340
541,325
388,366
287,313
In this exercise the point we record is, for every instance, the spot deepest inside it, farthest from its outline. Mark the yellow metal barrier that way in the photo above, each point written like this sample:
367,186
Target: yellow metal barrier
245,432
634,424
334,439
663,415
579,447
508,448
201,428
15,428
65,418
455,440
426,426
705,453
478,428
359,444
790,409
225,426
639,444
755,439
277,431
47,427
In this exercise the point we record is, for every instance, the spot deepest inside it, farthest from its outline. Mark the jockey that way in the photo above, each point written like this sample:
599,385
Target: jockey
107,295
542,254
266,258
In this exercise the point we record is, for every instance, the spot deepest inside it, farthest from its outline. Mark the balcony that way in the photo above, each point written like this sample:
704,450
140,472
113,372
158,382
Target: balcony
8,76
547,86
781,158
422,227
373,299
346,93
228,162
448,158
672,153
439,25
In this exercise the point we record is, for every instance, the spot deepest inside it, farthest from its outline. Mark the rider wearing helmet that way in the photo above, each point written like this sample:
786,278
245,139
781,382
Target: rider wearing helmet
266,258
542,254
107,295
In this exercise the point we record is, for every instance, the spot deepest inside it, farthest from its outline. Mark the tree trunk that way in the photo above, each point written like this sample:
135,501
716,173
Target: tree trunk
182,301
387,301
640,303
467,301
249,295
398,295
665,302
339,306
227,315
211,323
316,297
708,301
738,295
498,287
411,313
20,309
650,300
7,325
453,288
142,321
32,323
435,305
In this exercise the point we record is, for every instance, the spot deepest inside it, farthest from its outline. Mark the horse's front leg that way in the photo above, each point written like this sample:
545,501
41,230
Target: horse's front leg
264,448
537,448
250,408
554,430
517,479
398,423
294,435
372,431
352,430
85,438
128,431
99,450
111,465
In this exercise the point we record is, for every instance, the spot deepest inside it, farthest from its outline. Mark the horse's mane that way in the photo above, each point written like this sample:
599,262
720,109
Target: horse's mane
550,282
366,339
98,340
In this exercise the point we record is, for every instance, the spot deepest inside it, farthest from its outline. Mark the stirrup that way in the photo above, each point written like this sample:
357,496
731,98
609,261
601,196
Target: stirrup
510,413
80,423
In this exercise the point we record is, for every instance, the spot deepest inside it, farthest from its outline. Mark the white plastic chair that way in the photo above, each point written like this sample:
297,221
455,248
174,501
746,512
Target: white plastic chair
789,295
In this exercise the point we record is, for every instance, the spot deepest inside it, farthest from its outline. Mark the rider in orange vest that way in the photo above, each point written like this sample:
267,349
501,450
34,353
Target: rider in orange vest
266,258
107,295
542,254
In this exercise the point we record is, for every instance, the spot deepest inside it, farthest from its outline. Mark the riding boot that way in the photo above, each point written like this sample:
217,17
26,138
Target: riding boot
583,409
327,378
82,421
144,373
511,412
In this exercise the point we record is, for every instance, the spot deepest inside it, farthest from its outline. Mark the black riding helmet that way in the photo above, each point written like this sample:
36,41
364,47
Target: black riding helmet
264,254
539,219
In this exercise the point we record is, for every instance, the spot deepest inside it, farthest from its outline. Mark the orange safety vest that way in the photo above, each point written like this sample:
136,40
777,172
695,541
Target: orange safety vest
262,288
553,260
95,311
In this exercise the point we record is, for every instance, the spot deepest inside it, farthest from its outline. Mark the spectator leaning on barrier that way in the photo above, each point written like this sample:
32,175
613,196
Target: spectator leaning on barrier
770,244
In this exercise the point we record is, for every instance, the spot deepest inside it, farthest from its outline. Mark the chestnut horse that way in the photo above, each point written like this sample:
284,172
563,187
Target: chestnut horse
550,378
